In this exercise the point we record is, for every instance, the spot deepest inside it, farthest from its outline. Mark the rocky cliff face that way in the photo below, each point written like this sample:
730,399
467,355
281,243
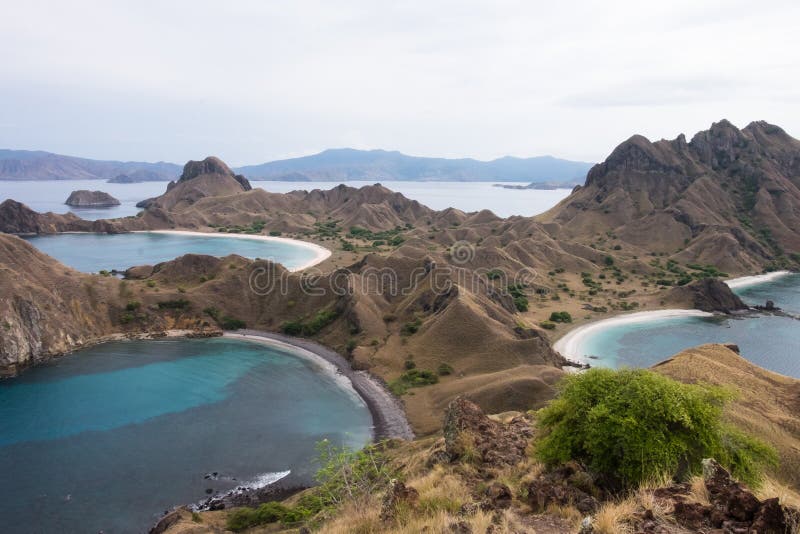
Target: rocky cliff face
728,197
84,198
708,294
46,308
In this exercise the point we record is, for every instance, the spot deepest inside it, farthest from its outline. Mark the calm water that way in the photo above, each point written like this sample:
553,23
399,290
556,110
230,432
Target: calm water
94,252
768,341
50,195
109,437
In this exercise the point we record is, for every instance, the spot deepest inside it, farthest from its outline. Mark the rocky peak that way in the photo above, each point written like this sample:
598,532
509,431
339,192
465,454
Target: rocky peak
635,154
213,166
210,165
720,145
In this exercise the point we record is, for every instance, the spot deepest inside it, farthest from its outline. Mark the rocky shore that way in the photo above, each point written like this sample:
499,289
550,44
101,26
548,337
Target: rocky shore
388,415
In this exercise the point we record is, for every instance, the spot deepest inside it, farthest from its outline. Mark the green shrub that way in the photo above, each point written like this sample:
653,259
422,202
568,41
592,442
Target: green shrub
274,233
179,304
409,364
133,305
445,369
151,283
212,312
629,426
494,274
521,303
245,518
411,327
413,378
548,325
311,327
231,323
561,317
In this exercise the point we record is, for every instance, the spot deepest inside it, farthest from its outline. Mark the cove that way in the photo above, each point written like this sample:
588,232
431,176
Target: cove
109,437
92,253
771,342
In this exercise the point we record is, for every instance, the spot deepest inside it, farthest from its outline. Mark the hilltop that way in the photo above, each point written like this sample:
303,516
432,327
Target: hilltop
728,197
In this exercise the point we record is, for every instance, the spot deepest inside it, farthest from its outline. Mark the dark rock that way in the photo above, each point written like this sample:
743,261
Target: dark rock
498,497
460,527
691,515
469,433
398,494
769,305
209,491
84,198
709,295
169,519
563,487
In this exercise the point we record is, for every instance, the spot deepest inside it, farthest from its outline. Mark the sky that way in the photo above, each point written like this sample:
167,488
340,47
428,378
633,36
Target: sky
254,81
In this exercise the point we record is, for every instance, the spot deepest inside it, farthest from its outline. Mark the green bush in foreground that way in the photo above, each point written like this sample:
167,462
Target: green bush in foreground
630,426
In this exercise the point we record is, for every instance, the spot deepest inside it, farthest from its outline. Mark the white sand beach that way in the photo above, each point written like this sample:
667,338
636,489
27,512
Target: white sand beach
572,344
321,253
747,281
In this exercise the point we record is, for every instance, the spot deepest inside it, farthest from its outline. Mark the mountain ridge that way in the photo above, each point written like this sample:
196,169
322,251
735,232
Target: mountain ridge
342,164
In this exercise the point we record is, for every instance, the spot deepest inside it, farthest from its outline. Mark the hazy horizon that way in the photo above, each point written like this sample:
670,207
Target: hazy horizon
252,82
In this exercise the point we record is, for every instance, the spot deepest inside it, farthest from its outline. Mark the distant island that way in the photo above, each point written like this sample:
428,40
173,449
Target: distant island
542,186
91,199
335,165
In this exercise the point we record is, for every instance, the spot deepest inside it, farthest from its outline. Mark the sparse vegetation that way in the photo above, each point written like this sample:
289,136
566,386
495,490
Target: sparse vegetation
310,327
413,378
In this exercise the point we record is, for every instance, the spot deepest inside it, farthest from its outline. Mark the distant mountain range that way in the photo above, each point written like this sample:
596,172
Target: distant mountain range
38,165
338,165
345,164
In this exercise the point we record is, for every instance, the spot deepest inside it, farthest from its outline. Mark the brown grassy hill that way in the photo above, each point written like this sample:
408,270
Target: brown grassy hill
767,404
728,197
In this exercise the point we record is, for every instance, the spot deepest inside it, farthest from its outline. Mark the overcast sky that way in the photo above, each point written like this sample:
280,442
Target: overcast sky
252,81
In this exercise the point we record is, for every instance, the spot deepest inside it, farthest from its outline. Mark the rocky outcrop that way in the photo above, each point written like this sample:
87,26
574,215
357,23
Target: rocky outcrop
84,198
708,294
470,434
17,218
732,507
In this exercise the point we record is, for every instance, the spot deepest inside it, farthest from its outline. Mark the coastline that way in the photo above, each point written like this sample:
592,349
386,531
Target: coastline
570,345
388,417
749,281
320,253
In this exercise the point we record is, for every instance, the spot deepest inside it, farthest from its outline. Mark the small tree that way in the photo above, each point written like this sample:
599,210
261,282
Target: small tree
630,426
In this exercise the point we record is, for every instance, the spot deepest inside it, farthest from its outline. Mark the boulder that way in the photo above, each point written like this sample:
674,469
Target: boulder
398,495
470,435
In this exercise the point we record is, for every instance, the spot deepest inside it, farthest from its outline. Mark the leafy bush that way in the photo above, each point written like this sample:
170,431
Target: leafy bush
445,369
413,378
212,312
548,325
179,304
133,305
245,518
411,327
629,426
311,327
561,317
521,303
231,323
494,274
274,233
409,364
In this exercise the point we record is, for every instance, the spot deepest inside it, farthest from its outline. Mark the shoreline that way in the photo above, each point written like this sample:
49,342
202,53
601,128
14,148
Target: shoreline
320,253
388,416
570,345
755,280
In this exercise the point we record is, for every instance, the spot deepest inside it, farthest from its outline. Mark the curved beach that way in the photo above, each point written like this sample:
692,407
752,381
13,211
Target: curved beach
571,345
748,281
388,417
320,253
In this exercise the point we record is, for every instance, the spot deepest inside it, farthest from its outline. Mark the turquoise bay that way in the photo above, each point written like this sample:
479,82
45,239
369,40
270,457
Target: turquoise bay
769,341
95,252
106,438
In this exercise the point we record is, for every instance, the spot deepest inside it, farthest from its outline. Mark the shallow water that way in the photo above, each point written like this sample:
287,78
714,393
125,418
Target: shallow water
768,341
109,437
94,252
466,196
